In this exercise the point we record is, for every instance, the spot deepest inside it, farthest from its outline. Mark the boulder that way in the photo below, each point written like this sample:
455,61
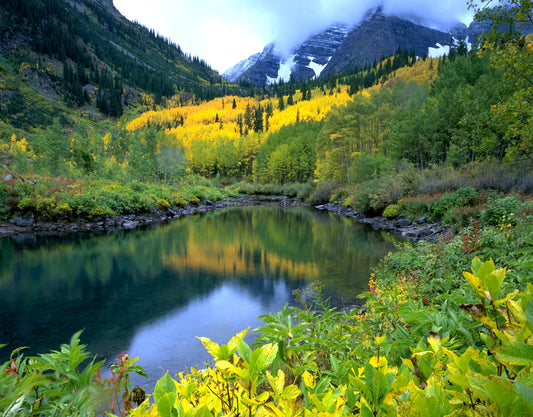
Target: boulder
402,223
27,220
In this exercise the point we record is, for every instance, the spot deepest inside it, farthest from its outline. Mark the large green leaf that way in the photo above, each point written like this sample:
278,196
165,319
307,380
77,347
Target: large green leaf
515,354
164,386
525,392
165,405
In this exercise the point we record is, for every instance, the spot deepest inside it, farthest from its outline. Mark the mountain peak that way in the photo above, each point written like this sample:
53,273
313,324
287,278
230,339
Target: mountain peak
342,47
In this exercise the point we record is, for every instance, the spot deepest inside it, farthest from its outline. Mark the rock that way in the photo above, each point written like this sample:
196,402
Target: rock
402,223
24,221
130,224
422,220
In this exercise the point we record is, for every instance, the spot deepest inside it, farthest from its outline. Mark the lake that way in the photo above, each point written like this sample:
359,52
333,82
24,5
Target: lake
150,292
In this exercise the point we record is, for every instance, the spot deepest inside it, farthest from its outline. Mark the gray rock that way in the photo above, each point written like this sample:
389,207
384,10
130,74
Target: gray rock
402,223
24,221
422,220
130,224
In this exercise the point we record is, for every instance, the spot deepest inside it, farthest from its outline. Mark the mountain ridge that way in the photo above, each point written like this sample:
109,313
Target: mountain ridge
374,36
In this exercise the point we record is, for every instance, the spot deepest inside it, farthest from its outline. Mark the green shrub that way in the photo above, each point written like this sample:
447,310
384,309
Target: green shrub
67,382
26,204
342,193
62,210
391,211
163,204
361,202
321,194
100,211
501,210
305,190
82,204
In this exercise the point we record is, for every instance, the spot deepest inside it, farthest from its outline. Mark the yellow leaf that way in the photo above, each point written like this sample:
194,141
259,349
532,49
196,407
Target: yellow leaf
276,382
211,347
309,380
382,362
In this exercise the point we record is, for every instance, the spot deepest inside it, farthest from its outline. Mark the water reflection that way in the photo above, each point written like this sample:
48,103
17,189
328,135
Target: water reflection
149,292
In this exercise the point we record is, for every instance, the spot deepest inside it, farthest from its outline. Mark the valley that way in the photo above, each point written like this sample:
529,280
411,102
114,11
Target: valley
106,125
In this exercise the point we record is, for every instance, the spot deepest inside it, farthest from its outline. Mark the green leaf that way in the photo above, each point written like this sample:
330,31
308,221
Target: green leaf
244,350
165,405
14,408
164,386
366,412
525,392
486,269
494,281
476,264
203,411
517,353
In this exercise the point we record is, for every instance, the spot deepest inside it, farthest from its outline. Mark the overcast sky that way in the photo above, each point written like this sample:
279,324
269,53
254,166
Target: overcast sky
224,32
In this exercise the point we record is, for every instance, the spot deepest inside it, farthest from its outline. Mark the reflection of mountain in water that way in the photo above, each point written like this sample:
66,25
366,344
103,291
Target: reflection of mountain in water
111,285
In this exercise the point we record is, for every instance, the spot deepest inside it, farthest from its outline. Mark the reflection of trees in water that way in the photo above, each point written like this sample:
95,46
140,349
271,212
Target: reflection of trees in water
112,284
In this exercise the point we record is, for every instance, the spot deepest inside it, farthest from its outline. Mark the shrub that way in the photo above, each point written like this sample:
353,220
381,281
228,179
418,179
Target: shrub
321,194
62,210
361,202
391,211
342,193
67,382
500,210
306,190
100,211
163,204
26,204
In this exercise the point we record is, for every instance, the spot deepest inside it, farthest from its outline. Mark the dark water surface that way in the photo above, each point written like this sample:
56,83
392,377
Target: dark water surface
150,292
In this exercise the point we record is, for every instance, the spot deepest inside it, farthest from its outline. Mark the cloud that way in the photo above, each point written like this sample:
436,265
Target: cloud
223,32
295,20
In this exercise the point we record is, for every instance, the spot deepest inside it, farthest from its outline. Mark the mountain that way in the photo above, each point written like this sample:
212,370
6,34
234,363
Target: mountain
341,47
84,54
306,62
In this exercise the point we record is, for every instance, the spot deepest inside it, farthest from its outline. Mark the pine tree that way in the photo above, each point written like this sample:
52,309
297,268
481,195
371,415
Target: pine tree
281,103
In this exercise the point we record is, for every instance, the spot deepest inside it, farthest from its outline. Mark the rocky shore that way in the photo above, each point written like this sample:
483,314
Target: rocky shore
29,224
400,226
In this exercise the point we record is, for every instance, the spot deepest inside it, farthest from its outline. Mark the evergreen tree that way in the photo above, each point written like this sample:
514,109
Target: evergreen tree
281,103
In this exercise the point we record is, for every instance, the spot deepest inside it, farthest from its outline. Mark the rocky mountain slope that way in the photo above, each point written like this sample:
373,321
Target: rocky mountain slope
340,47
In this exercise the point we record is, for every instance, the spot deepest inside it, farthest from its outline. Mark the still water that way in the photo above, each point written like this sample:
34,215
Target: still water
151,292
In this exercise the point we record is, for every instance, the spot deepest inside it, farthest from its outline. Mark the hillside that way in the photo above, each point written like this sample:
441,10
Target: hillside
84,54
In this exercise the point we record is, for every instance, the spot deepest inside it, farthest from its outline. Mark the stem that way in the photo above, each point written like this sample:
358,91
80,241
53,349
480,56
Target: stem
471,400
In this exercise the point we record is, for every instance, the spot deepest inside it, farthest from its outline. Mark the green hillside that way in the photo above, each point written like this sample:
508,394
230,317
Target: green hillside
85,55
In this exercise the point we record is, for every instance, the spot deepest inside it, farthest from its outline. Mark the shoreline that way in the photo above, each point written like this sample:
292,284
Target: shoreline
28,225
419,229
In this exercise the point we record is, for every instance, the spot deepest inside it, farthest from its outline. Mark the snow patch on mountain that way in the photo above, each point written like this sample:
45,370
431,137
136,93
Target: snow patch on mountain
284,72
316,67
438,51
441,50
